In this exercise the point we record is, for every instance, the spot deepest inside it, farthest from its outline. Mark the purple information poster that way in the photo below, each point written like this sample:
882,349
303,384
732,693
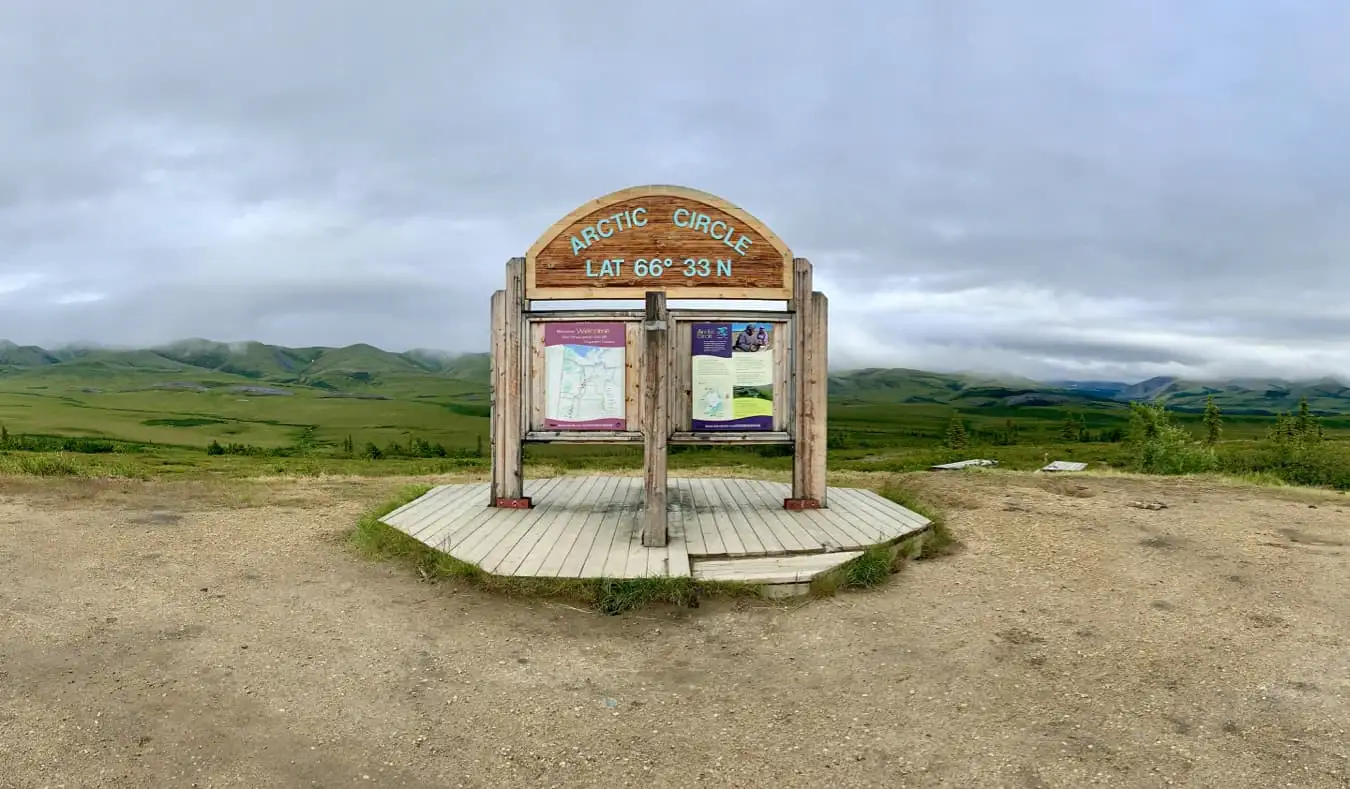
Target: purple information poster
732,376
585,376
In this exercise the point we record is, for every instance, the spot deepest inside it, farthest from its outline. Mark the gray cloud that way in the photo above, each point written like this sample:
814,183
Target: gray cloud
1113,188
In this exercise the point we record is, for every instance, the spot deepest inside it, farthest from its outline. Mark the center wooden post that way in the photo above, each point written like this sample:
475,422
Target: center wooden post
655,422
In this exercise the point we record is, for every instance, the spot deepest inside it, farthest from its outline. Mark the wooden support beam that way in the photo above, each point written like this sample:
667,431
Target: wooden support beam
815,405
508,378
806,494
655,421
496,356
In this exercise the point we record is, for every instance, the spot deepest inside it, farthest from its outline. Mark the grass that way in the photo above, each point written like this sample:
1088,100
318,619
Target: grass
375,539
877,564
164,432
939,541
63,464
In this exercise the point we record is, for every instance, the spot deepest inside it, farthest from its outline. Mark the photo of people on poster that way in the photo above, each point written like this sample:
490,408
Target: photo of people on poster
752,338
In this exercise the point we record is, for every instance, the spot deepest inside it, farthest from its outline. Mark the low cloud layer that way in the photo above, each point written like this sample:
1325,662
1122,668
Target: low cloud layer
1111,189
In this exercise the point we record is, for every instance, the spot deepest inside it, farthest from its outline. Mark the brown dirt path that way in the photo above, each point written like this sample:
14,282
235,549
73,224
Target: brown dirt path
171,634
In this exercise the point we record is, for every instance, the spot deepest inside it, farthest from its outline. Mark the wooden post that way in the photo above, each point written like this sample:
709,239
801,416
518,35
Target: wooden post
496,357
655,422
815,406
508,405
808,406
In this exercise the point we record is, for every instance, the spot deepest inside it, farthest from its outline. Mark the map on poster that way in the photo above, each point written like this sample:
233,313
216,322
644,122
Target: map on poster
584,367
732,376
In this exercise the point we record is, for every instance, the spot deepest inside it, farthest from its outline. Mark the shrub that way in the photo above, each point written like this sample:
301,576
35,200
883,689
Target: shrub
1160,446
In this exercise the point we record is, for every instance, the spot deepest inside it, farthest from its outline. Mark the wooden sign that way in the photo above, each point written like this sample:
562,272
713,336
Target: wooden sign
685,243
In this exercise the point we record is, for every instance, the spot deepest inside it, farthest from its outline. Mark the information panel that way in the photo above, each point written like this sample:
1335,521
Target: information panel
732,376
584,368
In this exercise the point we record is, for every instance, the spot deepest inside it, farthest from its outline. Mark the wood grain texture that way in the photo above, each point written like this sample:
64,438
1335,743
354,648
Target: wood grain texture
607,229
655,422
537,373
583,526
508,401
496,357
816,388
802,350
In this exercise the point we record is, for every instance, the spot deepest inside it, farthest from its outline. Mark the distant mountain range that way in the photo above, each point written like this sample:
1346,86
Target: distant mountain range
367,369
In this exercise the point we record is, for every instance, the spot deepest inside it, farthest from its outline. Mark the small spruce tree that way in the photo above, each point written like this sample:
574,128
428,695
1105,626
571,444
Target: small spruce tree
957,437
4,436
1213,421
1068,431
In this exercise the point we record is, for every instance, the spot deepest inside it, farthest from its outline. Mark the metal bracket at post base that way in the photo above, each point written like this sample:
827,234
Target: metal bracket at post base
514,504
797,505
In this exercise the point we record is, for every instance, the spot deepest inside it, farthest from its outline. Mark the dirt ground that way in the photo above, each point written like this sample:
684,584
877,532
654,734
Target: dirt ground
179,634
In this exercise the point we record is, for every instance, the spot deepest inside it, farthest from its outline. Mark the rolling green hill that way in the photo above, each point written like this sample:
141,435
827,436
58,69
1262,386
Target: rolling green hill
423,374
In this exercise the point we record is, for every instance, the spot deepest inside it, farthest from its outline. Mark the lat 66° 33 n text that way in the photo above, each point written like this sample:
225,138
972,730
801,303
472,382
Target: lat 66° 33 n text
648,268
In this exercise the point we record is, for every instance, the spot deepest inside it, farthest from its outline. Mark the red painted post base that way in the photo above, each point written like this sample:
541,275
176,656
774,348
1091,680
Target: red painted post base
797,505
516,504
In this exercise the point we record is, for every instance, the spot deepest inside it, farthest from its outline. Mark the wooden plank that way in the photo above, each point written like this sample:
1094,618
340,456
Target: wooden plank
751,508
513,413
538,381
611,534
553,316
872,506
635,553
701,315
732,437
683,496
632,361
655,369
666,562
732,522
767,499
848,511
584,293
473,503
816,390
879,501
478,528
771,570
813,532
782,378
819,527
718,518
505,557
418,507
496,374
693,315
801,347
583,437
392,515
584,532
676,558
550,535
412,521
627,533
491,546
617,530
681,377
446,509
712,544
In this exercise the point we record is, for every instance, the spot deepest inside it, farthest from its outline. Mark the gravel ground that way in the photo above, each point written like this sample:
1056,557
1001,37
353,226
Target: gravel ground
179,634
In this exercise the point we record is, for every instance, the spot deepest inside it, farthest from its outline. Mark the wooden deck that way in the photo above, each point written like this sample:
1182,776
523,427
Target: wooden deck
589,527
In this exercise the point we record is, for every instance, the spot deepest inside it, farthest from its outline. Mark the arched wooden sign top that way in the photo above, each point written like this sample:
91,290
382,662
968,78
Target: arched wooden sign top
687,243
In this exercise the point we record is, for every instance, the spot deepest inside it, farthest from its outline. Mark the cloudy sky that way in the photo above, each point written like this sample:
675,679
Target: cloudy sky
1116,188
